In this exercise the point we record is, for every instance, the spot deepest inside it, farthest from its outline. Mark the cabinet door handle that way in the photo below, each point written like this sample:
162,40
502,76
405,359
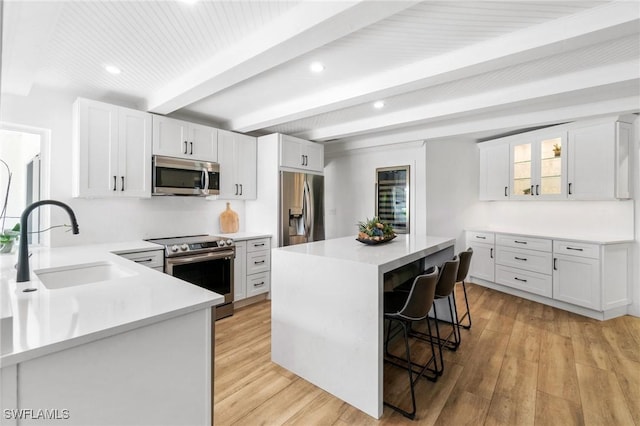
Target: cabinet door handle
115,180
520,242
491,253
570,188
190,148
555,263
302,160
261,283
531,191
185,147
537,189
236,189
122,189
258,262
524,259
505,191
519,279
481,238
240,189
574,248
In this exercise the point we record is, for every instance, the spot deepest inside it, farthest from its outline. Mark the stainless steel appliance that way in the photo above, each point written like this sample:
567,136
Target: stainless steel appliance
177,176
301,208
205,261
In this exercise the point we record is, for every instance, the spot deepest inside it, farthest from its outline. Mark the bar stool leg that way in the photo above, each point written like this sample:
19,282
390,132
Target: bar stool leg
468,313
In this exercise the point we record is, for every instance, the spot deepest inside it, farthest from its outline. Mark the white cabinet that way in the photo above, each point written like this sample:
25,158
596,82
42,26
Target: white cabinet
599,161
112,150
153,259
300,154
252,268
181,139
240,271
539,166
524,263
483,259
494,172
576,280
238,166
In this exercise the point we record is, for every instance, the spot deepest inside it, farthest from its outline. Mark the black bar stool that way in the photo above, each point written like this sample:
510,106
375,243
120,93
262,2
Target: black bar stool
405,309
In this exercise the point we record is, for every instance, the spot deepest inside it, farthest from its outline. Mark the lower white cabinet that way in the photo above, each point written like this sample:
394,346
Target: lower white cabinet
153,259
587,278
252,268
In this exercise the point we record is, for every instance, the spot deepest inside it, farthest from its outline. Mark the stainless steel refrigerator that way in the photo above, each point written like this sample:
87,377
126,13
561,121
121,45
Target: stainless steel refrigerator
301,208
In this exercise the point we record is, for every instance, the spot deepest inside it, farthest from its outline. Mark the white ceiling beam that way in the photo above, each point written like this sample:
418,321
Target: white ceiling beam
302,29
609,21
570,82
26,31
497,125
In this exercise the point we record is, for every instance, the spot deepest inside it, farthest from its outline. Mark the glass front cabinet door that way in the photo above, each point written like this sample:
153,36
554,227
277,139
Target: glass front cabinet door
539,167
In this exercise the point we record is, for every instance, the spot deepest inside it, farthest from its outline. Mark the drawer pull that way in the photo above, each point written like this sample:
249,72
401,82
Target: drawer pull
574,248
143,260
261,283
520,258
481,238
520,242
258,245
258,262
519,279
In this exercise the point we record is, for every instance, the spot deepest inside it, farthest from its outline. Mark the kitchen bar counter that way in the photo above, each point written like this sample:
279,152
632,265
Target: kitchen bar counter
327,310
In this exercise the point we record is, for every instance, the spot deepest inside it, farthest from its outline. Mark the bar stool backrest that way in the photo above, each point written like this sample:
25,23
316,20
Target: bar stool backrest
447,278
465,261
420,299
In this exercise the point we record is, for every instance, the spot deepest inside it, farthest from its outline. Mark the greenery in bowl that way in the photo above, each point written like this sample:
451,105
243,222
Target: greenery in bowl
374,229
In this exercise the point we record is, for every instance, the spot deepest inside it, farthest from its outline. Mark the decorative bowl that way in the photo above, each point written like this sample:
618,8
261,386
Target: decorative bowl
374,242
374,231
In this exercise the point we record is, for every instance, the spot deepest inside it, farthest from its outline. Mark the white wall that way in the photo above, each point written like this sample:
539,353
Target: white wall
635,186
105,220
350,186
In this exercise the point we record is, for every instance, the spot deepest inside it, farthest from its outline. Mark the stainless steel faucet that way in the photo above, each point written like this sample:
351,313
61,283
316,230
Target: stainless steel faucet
23,252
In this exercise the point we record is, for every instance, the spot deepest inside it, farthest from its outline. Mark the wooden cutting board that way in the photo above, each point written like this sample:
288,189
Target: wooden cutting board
229,221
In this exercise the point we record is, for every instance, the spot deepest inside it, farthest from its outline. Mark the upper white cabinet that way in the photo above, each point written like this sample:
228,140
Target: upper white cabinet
599,161
538,166
238,166
296,153
181,139
494,172
578,161
112,150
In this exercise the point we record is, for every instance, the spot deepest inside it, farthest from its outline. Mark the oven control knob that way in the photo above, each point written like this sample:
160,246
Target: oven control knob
184,247
229,242
222,243
174,248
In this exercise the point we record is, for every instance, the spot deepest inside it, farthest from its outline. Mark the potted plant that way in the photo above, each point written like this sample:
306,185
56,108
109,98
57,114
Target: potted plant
8,238
556,150
374,231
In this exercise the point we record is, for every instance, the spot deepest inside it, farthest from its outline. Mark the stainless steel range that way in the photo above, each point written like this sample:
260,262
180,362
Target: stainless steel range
205,261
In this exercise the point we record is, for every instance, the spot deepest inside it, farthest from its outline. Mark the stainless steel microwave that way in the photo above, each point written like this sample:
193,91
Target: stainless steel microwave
177,176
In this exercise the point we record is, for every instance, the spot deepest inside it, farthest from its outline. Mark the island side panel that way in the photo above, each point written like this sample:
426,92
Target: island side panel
159,374
326,325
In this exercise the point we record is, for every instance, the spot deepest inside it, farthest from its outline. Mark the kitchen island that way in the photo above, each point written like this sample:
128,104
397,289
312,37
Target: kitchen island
327,310
98,339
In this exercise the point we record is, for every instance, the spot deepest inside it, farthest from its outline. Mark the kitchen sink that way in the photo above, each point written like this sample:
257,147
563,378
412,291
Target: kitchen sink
86,273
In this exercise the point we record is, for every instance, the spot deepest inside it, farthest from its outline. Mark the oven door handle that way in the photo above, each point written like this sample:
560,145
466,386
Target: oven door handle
183,260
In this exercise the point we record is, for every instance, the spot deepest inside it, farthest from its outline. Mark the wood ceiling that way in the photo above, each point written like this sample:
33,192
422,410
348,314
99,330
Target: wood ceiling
444,69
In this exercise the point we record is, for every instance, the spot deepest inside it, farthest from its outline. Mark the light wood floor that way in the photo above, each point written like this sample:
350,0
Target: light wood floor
522,363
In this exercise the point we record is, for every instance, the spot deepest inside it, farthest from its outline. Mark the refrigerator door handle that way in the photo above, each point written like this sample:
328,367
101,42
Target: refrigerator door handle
308,210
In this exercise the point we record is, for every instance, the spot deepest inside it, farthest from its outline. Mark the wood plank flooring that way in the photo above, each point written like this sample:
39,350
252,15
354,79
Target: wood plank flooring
522,363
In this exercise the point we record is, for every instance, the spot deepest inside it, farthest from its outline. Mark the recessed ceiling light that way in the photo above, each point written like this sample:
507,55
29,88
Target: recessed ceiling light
378,104
112,69
316,67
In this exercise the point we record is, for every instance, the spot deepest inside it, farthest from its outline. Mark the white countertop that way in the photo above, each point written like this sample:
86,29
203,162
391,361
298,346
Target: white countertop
47,321
592,237
384,255
243,236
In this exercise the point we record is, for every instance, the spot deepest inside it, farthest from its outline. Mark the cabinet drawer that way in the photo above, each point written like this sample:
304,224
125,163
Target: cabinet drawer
480,237
530,260
258,261
523,242
576,249
152,259
532,282
259,244
258,283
